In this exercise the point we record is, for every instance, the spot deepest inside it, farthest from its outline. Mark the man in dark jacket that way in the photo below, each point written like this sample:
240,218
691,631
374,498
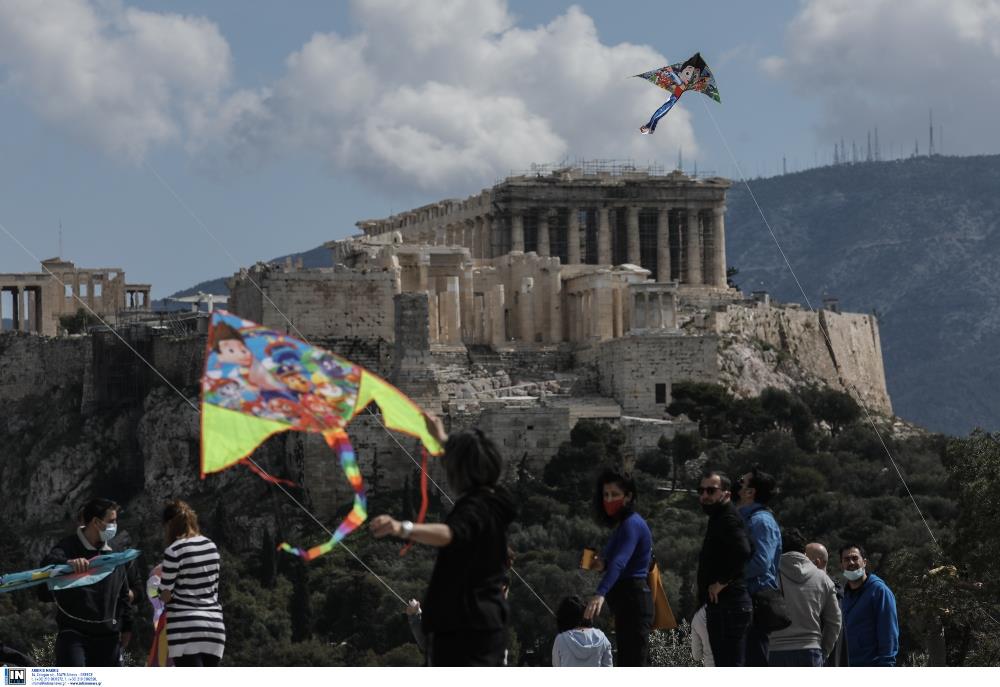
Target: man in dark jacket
94,620
720,572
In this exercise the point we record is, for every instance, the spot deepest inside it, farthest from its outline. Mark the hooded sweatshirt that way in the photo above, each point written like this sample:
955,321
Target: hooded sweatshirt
870,623
465,592
811,598
584,647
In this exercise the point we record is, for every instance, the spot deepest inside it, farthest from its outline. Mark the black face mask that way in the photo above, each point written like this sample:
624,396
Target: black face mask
712,508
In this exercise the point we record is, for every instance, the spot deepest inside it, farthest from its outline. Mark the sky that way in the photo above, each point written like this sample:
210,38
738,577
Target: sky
181,140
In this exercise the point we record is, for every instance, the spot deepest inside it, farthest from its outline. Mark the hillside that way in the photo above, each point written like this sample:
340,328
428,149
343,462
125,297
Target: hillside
918,241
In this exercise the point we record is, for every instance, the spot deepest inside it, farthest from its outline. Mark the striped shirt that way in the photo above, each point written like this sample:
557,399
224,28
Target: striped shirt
194,614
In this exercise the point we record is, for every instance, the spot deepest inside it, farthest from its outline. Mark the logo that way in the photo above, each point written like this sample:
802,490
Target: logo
15,676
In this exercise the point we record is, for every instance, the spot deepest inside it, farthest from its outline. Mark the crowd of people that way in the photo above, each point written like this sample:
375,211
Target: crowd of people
764,596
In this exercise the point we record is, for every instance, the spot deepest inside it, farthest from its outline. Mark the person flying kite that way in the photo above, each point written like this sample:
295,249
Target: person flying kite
691,75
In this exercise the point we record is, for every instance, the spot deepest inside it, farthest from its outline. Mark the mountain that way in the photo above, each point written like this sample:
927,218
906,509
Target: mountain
316,257
917,241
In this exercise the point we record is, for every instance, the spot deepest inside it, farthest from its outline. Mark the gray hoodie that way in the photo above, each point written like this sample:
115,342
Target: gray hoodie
812,605
582,647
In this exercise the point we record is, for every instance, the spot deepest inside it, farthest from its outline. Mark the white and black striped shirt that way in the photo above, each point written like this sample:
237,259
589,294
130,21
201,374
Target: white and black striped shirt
194,614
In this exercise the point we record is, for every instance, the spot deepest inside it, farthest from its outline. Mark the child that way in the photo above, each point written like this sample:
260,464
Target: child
578,644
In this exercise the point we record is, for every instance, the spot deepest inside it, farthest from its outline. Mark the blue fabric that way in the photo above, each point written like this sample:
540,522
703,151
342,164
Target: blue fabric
628,552
663,109
761,571
871,627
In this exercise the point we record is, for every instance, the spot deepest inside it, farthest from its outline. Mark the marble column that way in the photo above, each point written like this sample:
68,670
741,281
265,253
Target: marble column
719,241
693,236
603,237
663,245
517,231
543,233
632,225
573,237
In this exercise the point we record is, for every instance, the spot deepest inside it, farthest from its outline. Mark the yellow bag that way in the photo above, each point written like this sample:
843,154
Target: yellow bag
663,615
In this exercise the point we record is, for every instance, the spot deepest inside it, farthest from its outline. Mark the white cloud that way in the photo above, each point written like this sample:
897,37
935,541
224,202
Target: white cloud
885,63
121,78
434,95
424,95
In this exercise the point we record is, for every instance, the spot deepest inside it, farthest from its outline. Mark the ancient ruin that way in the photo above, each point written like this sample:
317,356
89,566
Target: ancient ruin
34,302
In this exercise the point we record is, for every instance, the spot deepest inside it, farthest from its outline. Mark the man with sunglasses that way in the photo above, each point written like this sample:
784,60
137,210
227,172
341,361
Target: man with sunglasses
720,572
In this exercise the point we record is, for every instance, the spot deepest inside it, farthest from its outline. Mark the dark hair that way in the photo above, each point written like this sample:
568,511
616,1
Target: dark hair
471,460
96,508
764,485
180,520
570,614
724,480
695,61
792,539
622,479
848,547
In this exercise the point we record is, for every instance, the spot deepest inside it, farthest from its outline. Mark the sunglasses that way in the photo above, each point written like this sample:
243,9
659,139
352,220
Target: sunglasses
707,490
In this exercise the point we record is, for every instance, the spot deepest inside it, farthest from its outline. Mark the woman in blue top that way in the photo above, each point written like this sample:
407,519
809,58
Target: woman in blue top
625,561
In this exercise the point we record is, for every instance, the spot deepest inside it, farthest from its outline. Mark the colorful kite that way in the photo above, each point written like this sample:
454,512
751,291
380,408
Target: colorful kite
691,75
61,576
259,382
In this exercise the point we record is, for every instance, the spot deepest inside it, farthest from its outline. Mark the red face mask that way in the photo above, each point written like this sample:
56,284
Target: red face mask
613,507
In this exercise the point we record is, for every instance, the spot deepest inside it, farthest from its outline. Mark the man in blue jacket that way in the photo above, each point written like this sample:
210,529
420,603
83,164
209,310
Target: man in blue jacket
761,571
869,610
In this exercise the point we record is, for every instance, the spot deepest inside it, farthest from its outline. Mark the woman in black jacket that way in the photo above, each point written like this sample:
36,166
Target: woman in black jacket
464,611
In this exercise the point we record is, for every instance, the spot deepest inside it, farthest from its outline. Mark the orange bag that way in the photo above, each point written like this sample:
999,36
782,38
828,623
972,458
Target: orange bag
663,615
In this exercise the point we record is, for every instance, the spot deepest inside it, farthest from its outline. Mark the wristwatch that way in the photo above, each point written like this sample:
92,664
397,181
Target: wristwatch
407,529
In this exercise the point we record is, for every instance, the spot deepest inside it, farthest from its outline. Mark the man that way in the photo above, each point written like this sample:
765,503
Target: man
819,556
812,605
761,571
95,620
720,572
869,608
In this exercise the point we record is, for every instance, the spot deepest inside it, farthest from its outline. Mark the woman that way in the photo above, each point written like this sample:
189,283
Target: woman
189,586
464,610
625,561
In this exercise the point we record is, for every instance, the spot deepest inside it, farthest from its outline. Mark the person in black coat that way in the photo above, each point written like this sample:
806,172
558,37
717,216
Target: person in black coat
95,620
724,552
465,610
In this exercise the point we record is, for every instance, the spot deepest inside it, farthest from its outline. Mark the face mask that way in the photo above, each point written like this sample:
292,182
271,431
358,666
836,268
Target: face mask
854,575
612,508
109,532
711,508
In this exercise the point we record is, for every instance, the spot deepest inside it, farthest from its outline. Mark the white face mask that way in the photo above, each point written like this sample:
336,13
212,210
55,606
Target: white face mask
854,575
109,532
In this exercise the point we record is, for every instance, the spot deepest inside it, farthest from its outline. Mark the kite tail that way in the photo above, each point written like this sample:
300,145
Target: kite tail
423,496
266,476
341,445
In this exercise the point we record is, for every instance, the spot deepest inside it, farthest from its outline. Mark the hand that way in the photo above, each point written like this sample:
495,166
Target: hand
131,596
714,590
383,526
126,639
597,564
413,608
594,607
79,565
436,428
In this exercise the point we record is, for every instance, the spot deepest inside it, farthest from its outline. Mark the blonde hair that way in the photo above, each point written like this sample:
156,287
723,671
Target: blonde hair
180,520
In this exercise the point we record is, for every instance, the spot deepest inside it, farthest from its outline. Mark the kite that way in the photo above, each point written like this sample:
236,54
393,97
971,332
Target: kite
258,382
62,576
690,75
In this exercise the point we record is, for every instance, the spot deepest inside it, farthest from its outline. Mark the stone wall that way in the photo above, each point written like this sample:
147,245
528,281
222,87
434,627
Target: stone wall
33,366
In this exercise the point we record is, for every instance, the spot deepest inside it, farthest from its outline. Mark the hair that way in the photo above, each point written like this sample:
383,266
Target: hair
624,480
96,508
224,332
724,480
848,547
180,520
792,539
471,460
695,61
569,615
764,485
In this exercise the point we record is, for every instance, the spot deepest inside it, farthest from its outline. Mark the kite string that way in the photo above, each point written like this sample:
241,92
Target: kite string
302,336
822,329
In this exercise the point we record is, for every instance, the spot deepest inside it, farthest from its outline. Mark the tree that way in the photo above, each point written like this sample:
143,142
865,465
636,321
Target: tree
789,412
838,409
748,418
706,404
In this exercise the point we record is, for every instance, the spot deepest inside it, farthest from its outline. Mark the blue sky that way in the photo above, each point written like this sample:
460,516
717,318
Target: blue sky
274,127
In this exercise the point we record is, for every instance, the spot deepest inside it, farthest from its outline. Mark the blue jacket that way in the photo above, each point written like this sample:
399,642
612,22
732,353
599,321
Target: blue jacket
628,552
870,624
761,571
